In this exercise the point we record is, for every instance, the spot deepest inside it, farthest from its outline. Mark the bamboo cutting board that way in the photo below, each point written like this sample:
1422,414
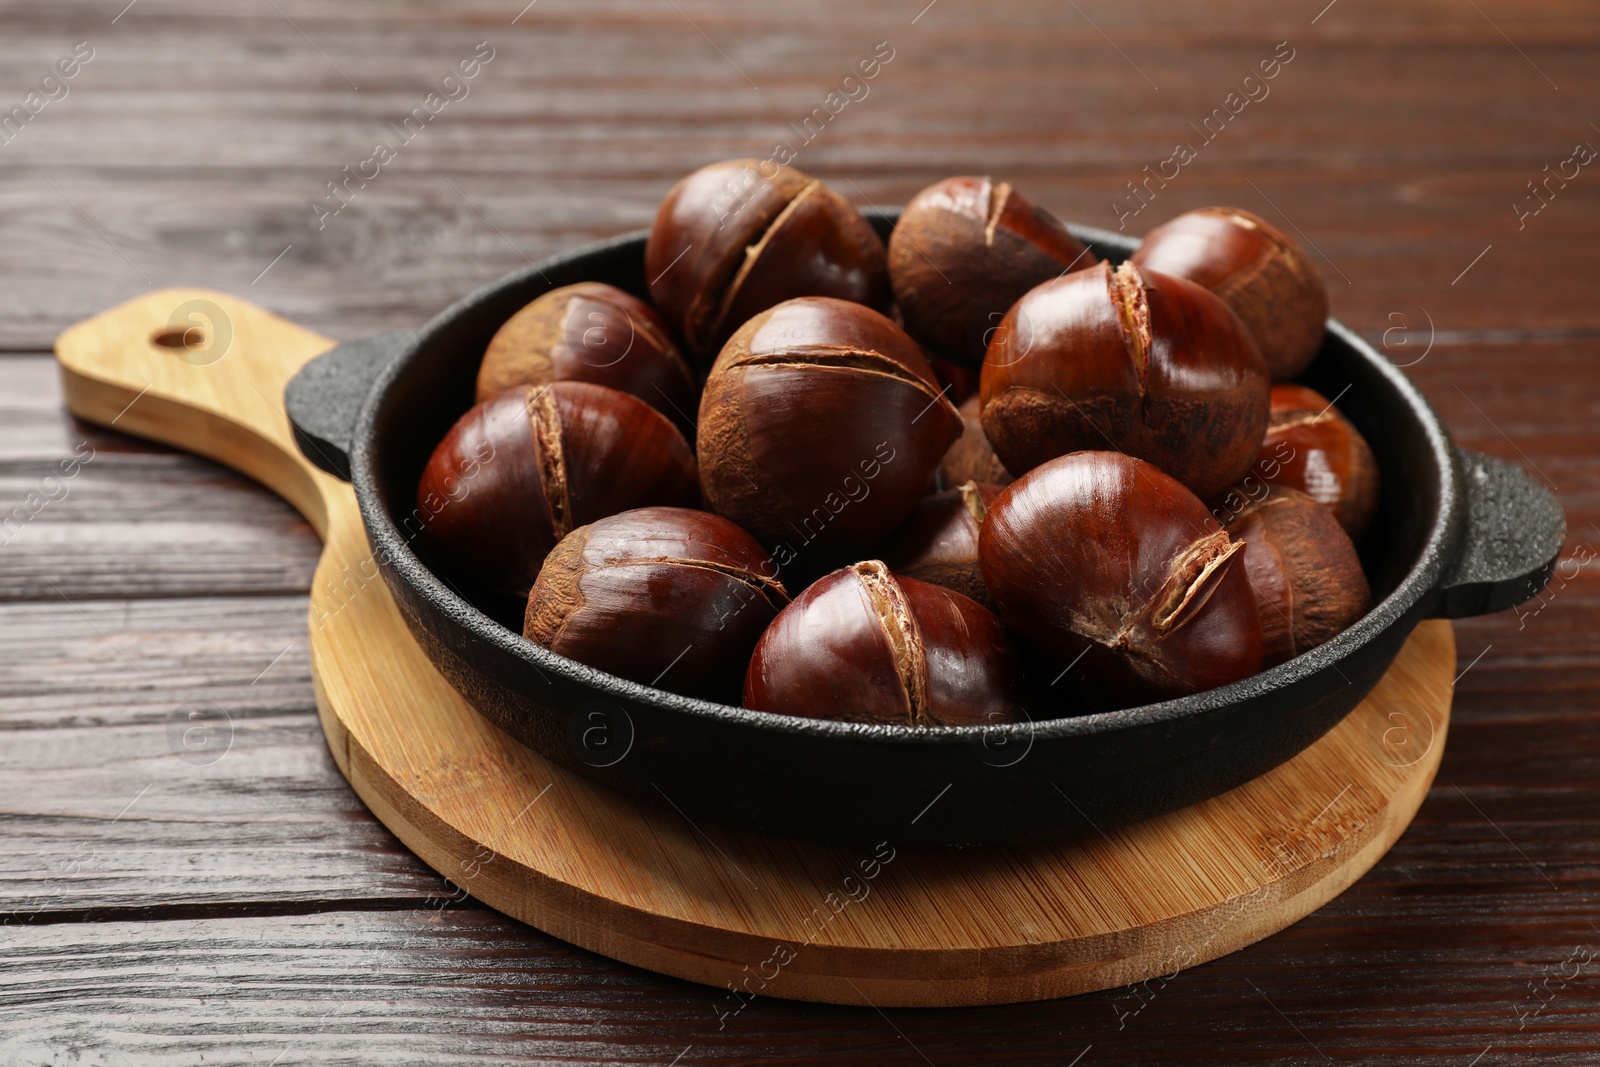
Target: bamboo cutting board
749,914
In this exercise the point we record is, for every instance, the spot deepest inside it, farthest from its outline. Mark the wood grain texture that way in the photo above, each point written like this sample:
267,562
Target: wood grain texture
250,809
1400,984
228,122
1396,141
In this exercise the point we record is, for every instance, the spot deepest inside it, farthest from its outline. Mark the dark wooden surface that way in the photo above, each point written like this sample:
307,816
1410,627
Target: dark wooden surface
249,910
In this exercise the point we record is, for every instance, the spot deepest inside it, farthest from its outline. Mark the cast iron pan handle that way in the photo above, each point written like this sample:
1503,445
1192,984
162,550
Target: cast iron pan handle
324,399
1515,529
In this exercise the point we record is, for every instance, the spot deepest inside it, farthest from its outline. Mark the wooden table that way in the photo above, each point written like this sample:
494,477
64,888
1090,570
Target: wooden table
240,905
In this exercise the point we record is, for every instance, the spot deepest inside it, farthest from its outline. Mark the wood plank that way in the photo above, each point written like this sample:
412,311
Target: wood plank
1401,185
1370,978
113,796
87,513
360,274
156,526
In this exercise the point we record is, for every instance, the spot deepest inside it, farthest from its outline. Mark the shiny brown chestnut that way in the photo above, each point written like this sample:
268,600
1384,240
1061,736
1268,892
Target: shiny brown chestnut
972,458
592,332
1311,447
820,427
865,645
1303,566
1131,360
938,542
735,238
966,249
1119,574
669,597
522,470
1260,273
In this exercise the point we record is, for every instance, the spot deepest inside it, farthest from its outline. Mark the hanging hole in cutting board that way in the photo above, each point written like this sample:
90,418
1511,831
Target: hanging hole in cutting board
194,337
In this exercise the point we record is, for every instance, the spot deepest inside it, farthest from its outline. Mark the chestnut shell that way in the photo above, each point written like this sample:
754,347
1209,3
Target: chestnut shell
964,250
731,240
1312,447
1257,269
820,428
1120,575
864,645
592,332
1139,362
668,597
1308,579
520,471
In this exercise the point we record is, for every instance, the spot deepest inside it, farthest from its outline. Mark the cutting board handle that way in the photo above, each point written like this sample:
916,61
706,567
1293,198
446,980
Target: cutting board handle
202,371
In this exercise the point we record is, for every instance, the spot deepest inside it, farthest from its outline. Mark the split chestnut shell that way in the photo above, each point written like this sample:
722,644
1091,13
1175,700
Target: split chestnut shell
520,471
864,645
965,249
1130,360
1120,575
1256,268
668,597
821,426
592,332
734,238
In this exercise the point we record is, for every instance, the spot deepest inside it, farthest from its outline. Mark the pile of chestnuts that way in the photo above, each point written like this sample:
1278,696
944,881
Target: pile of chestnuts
767,482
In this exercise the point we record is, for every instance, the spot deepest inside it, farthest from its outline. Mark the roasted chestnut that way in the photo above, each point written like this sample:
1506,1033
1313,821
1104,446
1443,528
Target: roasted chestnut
865,645
972,458
592,332
1130,360
938,542
520,471
670,597
820,427
1308,580
1311,447
1256,269
1119,574
965,250
733,239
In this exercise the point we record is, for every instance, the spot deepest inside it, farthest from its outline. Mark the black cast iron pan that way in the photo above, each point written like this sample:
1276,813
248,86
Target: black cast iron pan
1457,533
